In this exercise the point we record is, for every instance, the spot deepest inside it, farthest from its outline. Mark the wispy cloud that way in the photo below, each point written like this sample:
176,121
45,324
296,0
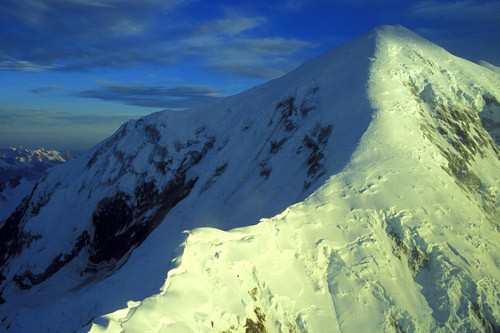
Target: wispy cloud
22,66
46,89
468,28
254,57
181,97
476,12
77,35
295,5
24,117
366,2
48,30
58,129
230,26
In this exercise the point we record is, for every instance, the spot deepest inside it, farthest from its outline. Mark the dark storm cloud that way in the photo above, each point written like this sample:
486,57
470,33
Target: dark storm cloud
78,35
181,97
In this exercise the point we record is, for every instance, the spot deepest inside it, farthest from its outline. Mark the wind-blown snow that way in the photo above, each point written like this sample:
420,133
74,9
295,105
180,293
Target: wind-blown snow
378,162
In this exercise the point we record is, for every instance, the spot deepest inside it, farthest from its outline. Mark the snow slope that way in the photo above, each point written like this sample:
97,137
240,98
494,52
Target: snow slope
373,160
399,240
11,195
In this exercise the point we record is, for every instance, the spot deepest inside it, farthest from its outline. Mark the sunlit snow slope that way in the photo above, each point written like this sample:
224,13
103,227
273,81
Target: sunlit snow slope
404,238
379,158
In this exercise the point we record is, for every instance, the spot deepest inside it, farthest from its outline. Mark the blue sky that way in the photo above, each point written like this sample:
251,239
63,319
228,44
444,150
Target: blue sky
72,71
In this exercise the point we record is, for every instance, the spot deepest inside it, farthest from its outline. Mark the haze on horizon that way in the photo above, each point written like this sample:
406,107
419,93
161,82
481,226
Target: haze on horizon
73,71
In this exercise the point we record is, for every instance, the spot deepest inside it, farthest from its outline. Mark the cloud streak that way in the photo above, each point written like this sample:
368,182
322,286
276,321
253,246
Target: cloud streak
13,117
468,28
478,13
46,89
58,129
181,97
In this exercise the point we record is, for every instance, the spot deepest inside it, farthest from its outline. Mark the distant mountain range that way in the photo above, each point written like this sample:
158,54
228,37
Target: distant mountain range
358,193
19,169
20,162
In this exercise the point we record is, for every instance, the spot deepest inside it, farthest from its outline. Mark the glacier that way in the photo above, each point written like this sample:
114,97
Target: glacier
356,193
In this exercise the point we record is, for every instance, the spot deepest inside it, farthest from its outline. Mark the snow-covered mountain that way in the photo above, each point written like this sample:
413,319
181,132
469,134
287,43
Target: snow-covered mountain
373,170
28,163
19,169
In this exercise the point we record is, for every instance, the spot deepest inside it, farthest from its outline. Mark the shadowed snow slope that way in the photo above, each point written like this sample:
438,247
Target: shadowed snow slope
379,158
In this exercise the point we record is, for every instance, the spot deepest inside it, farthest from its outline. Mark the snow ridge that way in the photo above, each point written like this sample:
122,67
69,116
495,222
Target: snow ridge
403,238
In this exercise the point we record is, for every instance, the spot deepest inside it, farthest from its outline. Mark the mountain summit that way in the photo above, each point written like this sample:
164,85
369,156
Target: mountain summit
373,170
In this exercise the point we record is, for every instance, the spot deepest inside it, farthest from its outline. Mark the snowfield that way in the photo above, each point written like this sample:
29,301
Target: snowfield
373,171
